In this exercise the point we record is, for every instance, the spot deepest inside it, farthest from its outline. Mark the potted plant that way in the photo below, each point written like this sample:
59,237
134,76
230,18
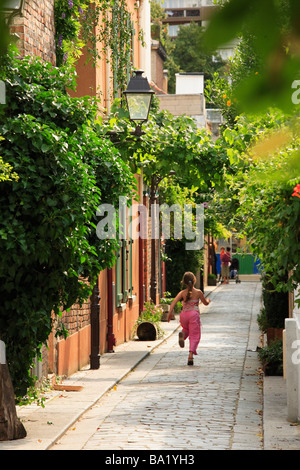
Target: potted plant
211,279
164,304
271,357
147,327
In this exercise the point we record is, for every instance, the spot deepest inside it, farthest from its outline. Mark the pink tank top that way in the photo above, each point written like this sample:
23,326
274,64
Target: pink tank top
190,305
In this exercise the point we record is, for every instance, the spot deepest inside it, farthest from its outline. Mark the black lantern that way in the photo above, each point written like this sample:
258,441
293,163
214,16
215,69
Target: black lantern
11,8
138,97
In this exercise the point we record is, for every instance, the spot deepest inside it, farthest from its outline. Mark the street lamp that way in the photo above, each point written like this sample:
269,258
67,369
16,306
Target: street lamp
12,8
138,96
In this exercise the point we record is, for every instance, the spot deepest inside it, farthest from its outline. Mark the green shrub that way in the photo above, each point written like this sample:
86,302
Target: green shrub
276,305
271,357
262,320
182,260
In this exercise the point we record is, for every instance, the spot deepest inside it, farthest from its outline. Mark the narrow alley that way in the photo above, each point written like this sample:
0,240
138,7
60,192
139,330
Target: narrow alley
165,404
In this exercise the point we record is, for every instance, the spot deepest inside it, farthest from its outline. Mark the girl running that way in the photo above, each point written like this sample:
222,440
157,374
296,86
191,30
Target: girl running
189,316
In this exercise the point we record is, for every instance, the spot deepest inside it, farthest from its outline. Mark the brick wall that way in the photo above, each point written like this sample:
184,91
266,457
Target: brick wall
36,30
77,317
75,320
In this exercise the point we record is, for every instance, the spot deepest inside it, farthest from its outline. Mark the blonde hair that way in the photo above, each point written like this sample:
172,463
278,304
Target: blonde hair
188,280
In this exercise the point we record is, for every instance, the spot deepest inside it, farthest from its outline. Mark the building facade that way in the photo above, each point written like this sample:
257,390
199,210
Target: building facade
120,293
182,12
107,318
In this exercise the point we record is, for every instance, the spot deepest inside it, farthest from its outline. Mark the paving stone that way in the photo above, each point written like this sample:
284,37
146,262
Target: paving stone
164,404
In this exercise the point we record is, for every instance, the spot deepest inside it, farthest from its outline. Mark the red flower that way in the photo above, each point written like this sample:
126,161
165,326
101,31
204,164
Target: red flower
296,190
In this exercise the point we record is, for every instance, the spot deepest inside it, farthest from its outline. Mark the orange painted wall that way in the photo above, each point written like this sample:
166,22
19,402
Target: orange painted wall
74,352
97,81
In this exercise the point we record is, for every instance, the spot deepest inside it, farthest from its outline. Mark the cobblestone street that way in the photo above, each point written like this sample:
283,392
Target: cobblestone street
165,404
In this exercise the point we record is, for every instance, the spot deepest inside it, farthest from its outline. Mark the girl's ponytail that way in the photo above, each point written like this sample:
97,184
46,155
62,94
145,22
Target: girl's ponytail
188,280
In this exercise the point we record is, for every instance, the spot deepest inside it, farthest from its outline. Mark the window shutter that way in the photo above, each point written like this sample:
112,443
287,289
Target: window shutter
130,286
119,294
124,271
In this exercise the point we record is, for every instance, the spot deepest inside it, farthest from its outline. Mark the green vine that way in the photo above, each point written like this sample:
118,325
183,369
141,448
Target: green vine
68,25
76,22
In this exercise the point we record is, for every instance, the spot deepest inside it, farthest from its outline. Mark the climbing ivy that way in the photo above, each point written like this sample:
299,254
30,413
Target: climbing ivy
103,27
68,26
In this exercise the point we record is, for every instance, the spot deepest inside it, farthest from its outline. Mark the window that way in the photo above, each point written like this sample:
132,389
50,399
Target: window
124,287
192,13
173,30
175,13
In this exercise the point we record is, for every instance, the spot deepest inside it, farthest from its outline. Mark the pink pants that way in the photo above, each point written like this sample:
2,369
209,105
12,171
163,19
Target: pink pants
191,327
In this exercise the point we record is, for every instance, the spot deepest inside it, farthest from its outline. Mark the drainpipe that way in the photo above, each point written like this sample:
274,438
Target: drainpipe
153,205
141,274
3,420
111,340
95,324
141,244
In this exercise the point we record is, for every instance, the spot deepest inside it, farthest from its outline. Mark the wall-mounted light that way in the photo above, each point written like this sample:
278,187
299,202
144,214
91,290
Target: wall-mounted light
12,8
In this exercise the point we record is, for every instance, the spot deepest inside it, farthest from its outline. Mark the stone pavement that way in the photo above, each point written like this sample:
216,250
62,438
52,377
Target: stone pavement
144,396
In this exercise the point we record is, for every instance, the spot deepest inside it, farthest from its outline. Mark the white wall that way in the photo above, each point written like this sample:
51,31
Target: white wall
189,84
145,25
292,364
